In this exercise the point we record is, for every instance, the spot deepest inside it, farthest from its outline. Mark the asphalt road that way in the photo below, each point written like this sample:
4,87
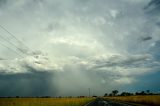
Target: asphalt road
102,102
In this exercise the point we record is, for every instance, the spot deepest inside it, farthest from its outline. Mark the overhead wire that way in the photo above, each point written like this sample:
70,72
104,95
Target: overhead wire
11,49
13,36
12,44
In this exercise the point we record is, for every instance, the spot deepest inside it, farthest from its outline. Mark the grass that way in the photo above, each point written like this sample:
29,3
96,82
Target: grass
44,101
149,100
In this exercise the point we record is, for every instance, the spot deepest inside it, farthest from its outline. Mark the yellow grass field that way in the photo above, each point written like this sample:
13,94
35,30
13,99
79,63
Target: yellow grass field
44,101
149,100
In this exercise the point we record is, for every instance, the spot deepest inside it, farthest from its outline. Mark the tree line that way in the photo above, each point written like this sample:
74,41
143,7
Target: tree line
116,93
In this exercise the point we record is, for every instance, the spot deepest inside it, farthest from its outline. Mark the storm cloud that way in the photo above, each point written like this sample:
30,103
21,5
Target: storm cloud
66,47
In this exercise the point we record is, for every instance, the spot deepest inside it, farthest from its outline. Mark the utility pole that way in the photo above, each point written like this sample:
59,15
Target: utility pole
89,91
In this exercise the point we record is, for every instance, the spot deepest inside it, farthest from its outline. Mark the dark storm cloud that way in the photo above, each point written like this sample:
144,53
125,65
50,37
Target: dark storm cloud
146,38
158,24
33,79
153,11
155,50
31,84
124,61
2,58
145,83
153,8
154,4
3,2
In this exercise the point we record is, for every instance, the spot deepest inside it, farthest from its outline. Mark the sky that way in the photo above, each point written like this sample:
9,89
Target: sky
64,47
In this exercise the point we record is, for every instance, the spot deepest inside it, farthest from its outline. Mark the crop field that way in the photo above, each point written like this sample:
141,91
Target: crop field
149,100
44,101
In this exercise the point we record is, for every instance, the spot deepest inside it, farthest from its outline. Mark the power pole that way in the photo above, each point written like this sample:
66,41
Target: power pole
89,91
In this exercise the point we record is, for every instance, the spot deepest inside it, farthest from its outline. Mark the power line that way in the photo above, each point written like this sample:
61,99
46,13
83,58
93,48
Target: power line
12,44
14,37
5,59
11,50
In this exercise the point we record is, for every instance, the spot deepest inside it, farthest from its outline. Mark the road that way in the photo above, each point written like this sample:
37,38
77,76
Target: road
102,102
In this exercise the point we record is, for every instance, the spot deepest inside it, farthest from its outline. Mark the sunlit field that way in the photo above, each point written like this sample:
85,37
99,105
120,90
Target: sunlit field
150,100
44,101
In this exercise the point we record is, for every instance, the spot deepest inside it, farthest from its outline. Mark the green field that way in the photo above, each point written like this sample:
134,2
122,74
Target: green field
44,101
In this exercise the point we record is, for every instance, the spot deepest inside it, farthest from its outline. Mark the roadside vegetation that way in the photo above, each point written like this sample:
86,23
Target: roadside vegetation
142,98
149,100
44,101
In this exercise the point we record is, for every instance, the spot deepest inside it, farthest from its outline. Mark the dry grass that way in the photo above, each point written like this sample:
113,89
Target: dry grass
150,100
44,101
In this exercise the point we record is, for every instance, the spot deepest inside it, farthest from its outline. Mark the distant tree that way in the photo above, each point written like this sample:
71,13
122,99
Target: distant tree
126,94
142,93
17,96
105,94
94,96
148,92
110,94
81,96
123,94
115,92
136,93
47,97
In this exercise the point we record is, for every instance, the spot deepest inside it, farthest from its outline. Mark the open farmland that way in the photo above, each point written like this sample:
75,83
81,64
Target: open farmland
79,52
149,100
44,101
